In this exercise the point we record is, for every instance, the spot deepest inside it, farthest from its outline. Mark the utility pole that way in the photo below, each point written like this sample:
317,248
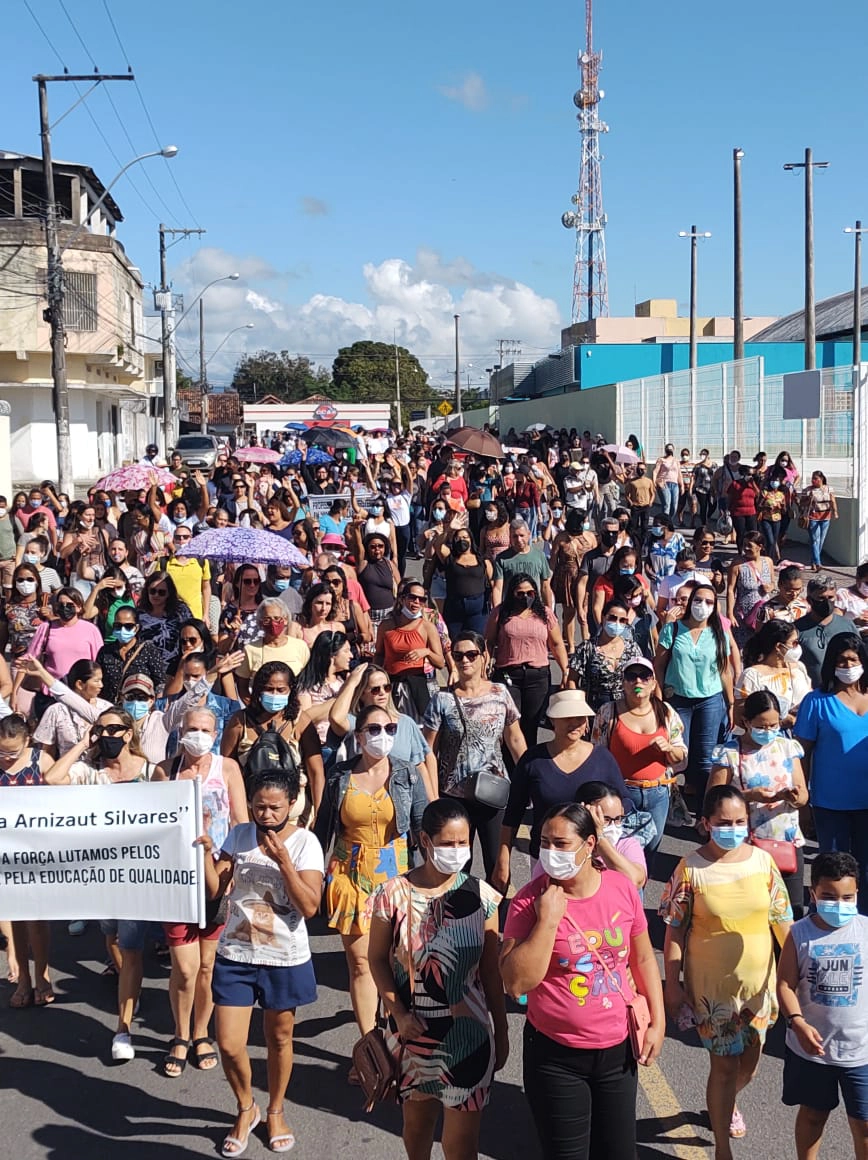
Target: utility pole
54,271
165,303
457,371
694,236
507,346
203,370
809,165
397,380
857,295
737,256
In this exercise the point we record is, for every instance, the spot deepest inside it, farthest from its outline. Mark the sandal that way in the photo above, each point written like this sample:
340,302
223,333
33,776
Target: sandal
283,1141
44,996
202,1057
737,1126
239,1146
21,999
175,1061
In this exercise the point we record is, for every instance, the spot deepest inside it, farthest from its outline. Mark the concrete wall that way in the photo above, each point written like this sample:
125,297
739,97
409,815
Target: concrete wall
841,542
594,410
95,449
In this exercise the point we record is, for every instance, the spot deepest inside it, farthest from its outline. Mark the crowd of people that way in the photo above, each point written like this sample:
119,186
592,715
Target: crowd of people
359,717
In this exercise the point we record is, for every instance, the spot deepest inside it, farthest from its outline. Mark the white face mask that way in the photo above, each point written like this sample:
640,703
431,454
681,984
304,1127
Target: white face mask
449,859
379,746
25,587
849,676
197,742
191,682
701,609
863,587
793,654
614,832
491,516
411,613
560,864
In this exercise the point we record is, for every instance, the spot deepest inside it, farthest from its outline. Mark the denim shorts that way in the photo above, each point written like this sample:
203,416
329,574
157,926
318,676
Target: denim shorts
274,988
816,1085
131,932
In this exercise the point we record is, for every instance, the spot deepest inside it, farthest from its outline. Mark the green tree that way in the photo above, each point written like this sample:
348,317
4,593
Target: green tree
286,376
365,373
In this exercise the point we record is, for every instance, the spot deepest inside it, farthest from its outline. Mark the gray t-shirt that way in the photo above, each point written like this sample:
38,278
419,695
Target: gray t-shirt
832,993
510,562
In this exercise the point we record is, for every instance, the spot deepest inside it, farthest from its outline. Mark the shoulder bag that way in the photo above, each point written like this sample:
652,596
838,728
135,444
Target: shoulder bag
783,854
486,785
378,1070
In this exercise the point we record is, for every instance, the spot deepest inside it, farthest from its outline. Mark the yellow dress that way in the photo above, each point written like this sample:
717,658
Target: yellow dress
729,964
368,851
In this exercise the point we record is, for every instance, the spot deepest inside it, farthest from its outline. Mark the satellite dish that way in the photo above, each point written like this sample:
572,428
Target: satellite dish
568,220
585,58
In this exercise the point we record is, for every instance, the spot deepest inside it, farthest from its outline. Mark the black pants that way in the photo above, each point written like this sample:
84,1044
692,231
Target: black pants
583,1101
639,524
702,498
484,822
742,525
402,539
530,691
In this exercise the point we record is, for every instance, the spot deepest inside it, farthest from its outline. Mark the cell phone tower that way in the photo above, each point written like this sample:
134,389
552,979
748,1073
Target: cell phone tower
590,280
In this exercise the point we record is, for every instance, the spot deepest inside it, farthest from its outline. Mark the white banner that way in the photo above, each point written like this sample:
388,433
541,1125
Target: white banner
107,851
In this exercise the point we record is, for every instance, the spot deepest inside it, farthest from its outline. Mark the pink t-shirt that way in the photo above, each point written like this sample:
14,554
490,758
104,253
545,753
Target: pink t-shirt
576,1003
523,640
59,646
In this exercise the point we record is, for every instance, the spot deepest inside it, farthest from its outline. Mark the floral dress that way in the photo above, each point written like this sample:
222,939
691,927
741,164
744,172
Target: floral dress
729,965
599,679
454,1061
770,767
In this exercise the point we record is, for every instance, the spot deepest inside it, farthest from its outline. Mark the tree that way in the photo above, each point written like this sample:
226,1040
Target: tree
288,377
365,373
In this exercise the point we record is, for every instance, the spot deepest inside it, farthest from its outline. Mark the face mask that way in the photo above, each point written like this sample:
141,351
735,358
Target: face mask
376,511
449,859
821,606
560,864
274,702
586,527
793,654
87,524
35,503
277,627
281,584
491,516
275,829
124,634
26,587
136,709
640,471
615,628
411,613
3,512
728,837
849,676
862,585
764,736
557,512
613,832
437,514
197,742
656,531
775,484
110,747
179,519
609,538
190,683
31,558
701,609
836,913
66,611
462,546
627,571
635,601
379,746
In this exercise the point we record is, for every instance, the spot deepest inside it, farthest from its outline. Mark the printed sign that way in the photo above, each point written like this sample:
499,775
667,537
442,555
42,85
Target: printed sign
445,408
105,851
325,412
319,504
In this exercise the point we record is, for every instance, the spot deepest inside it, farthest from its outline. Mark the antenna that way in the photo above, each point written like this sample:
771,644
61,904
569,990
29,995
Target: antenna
590,279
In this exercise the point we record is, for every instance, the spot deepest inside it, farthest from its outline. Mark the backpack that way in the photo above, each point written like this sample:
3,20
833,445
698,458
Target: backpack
269,753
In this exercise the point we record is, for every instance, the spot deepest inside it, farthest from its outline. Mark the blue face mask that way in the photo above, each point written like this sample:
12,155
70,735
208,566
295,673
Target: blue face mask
615,628
837,913
123,634
656,531
281,584
729,837
764,736
627,571
136,709
274,702
437,514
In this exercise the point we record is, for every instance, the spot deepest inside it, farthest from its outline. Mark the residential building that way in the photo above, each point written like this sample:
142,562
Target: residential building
108,403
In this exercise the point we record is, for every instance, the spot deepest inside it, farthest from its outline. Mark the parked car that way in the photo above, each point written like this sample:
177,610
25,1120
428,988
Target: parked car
197,450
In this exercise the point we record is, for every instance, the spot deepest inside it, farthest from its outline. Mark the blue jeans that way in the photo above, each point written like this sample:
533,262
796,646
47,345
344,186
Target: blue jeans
465,615
846,831
655,802
703,719
669,493
818,530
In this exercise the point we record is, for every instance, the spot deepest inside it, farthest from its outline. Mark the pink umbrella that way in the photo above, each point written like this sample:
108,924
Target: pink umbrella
137,477
257,455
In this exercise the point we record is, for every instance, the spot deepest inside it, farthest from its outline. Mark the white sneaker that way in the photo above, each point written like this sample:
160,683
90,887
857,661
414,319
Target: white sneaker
122,1047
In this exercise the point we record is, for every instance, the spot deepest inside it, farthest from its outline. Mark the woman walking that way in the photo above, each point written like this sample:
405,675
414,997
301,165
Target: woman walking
818,507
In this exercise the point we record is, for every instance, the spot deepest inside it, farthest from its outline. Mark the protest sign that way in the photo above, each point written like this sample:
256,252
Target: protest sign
104,851
319,504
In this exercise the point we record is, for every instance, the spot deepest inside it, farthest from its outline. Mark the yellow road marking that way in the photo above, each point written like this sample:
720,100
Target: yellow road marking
665,1106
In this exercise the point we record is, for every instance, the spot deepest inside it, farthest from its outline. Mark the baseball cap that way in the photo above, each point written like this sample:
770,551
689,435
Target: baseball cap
640,663
138,681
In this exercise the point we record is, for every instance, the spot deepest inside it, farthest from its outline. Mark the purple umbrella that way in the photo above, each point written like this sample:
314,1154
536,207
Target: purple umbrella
246,546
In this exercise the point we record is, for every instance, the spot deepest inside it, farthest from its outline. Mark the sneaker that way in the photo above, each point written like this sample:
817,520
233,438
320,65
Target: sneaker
77,928
122,1047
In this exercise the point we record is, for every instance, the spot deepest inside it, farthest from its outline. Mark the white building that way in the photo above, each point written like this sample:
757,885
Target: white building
108,403
272,415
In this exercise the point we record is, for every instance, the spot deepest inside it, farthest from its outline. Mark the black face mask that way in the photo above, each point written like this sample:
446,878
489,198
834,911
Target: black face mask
524,599
821,606
110,747
462,546
275,829
609,538
66,611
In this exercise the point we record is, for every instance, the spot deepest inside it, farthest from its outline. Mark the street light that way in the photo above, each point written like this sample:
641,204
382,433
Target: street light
203,363
246,326
857,232
694,235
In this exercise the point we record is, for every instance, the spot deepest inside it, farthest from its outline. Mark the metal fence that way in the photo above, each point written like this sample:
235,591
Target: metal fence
736,405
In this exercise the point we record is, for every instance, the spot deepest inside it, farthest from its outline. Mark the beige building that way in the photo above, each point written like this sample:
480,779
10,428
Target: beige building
654,319
108,399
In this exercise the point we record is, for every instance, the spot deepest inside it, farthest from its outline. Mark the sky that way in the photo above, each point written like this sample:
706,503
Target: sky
373,170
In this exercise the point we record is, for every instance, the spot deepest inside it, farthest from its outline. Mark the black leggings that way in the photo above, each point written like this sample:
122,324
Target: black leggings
530,691
583,1101
484,822
742,525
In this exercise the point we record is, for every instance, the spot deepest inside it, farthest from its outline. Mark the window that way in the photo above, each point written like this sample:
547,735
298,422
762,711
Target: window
80,303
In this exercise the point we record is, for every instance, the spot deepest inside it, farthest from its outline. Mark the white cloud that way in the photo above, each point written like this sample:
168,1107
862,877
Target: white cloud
415,301
471,92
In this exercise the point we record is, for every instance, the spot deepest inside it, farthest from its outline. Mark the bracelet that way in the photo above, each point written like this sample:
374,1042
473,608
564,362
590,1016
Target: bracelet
790,1019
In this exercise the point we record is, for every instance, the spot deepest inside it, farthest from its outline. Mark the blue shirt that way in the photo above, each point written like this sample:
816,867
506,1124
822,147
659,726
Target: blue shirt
329,526
692,669
221,707
840,757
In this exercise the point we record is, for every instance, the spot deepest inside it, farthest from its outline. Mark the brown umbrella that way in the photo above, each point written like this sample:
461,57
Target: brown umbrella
476,441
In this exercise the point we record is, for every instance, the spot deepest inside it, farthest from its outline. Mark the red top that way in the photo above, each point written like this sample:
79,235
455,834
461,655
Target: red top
397,642
636,759
742,498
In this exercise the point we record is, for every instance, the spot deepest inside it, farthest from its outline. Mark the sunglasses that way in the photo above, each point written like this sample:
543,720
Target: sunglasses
641,675
111,730
375,730
471,654
334,583
414,597
379,688
706,543
136,695
183,539
158,591
189,640
250,580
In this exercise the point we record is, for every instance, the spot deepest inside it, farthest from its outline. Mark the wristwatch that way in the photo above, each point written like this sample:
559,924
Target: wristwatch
790,1019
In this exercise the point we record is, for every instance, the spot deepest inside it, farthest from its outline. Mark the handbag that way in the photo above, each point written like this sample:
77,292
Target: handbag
486,786
377,1068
